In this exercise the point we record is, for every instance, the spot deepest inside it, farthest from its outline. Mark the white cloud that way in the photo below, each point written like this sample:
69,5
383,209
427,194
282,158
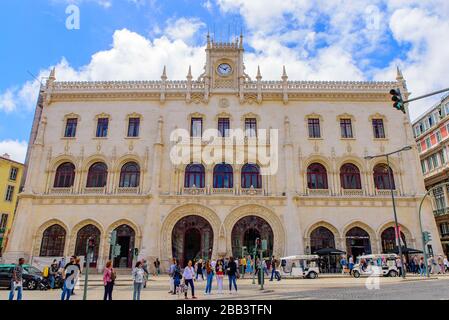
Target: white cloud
7,102
16,149
183,29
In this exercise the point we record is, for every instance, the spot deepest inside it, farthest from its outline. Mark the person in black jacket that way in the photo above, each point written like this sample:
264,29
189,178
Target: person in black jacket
232,274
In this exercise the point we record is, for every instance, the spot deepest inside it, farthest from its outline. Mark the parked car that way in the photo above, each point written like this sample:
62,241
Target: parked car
32,277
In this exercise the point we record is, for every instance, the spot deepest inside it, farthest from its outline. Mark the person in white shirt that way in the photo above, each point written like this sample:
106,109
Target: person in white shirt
138,279
188,275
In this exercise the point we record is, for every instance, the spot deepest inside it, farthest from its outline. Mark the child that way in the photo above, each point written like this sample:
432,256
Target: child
220,276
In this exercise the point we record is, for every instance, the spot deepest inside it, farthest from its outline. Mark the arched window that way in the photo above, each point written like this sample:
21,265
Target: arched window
321,238
97,176
350,177
251,176
317,176
194,176
389,240
130,175
223,176
382,179
53,241
65,175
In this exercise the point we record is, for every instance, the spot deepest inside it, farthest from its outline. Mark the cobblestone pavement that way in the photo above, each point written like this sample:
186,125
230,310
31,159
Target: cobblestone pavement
436,288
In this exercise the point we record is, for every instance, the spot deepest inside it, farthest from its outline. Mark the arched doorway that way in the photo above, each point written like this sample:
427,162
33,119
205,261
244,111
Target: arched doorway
126,237
323,238
389,240
192,239
358,242
82,237
246,231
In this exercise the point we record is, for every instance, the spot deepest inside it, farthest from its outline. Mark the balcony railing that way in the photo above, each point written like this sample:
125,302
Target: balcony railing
441,212
95,190
251,191
386,192
128,190
194,191
352,192
61,190
318,192
222,191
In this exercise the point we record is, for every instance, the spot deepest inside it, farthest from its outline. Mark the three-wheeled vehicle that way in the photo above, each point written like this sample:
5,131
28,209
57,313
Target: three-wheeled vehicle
376,264
305,266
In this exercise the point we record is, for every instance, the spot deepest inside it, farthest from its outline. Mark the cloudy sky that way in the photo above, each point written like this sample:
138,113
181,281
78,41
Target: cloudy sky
134,39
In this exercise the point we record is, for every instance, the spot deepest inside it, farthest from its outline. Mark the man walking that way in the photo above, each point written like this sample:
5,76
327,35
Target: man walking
273,268
17,280
171,273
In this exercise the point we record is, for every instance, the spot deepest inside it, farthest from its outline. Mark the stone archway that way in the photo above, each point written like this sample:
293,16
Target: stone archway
410,241
179,213
262,212
322,224
115,225
81,225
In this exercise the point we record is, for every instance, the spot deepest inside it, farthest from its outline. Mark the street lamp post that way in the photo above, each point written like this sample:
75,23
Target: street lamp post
398,232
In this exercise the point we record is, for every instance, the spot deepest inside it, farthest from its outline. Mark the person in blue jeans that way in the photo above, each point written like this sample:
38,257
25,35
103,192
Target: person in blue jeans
232,274
210,277
71,272
17,280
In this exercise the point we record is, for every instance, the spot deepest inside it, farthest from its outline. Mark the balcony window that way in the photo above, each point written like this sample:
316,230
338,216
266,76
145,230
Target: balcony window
133,127
70,128
314,128
223,127
378,129
65,175
102,127
196,129
346,128
194,176
251,127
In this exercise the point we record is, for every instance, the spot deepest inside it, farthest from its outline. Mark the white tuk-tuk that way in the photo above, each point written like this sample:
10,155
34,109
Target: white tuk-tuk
376,264
305,266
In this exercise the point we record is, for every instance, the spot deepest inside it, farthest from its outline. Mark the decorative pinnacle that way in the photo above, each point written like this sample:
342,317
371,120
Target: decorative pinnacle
284,74
399,75
189,74
164,74
52,74
241,40
208,40
259,76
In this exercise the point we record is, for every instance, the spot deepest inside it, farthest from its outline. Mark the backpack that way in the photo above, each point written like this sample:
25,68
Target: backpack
113,275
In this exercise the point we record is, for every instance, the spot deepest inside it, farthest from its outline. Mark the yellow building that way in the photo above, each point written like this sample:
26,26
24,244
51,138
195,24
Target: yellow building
10,177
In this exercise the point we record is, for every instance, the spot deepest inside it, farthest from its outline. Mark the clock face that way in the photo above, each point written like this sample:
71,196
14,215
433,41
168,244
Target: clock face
224,69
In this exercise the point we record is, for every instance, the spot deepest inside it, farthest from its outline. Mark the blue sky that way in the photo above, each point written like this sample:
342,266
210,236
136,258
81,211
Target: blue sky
133,39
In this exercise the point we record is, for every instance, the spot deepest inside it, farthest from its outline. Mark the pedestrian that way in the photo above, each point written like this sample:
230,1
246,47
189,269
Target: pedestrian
343,264
273,267
351,263
232,274
138,279
209,277
422,268
188,275
17,280
61,263
171,273
399,265
265,267
146,272
446,264
220,276
76,285
176,277
249,268
109,277
243,264
199,269
53,272
416,263
69,275
441,265
157,266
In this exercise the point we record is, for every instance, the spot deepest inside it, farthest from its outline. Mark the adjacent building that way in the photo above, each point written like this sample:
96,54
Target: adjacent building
10,177
104,156
432,137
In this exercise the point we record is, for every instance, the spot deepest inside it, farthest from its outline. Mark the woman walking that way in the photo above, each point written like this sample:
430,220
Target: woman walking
232,274
138,279
220,276
210,277
188,275
108,279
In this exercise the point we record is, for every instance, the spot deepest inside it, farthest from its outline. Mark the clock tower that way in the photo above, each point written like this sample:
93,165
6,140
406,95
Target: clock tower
224,71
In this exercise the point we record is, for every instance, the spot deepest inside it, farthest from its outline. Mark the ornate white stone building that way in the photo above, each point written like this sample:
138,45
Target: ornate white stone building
99,160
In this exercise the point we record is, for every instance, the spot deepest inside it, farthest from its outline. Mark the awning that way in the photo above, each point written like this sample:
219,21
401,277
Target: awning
406,250
329,251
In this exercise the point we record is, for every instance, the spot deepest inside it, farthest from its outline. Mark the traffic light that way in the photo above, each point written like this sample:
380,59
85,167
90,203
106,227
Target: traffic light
398,100
427,237
112,238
